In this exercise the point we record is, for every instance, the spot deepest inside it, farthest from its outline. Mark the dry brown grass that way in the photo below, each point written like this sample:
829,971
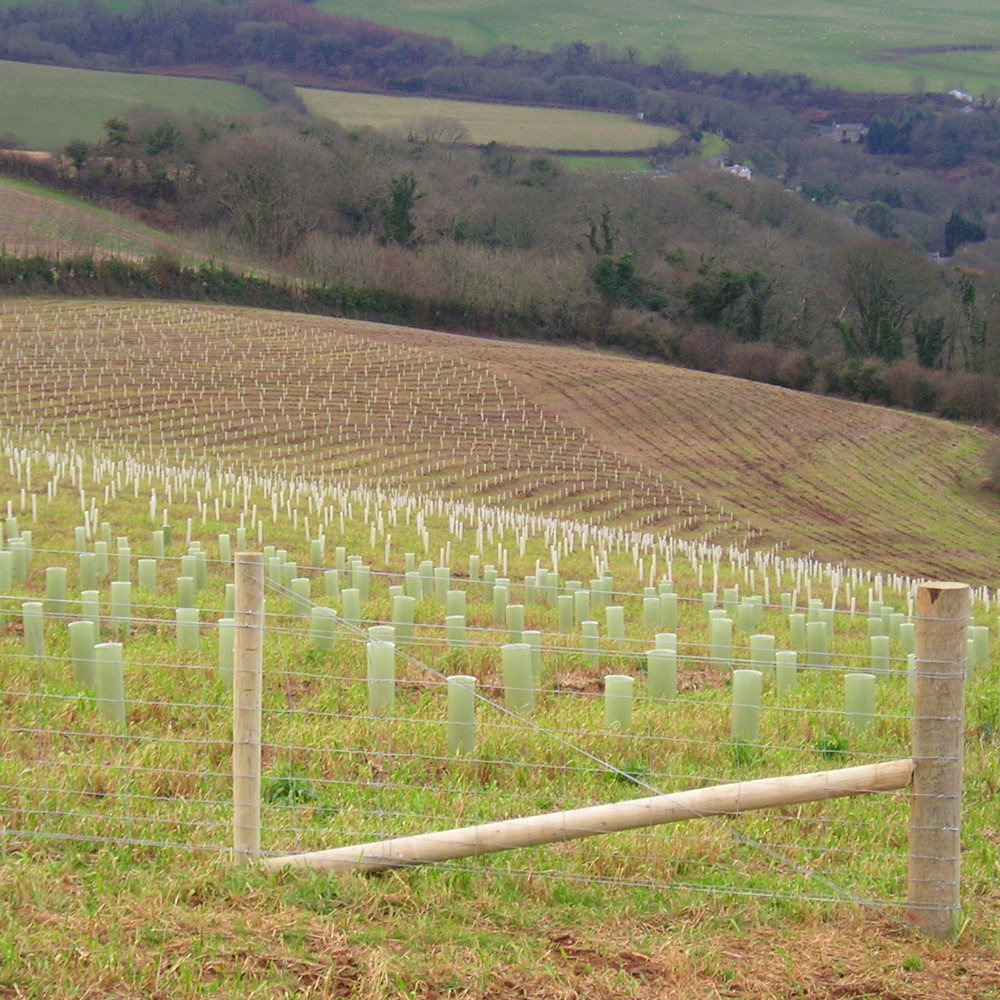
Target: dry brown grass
213,935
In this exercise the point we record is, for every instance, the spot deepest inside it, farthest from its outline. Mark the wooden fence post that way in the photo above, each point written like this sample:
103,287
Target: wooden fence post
247,671
938,737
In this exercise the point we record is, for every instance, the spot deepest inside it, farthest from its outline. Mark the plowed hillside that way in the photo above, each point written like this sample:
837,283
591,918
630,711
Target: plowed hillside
36,220
548,429
846,480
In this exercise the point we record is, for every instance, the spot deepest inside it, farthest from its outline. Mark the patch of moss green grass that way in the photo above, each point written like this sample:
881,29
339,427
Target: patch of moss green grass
607,164
712,145
47,106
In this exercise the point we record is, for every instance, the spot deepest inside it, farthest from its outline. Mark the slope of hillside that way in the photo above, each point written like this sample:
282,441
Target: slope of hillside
858,46
35,219
553,430
844,480
514,125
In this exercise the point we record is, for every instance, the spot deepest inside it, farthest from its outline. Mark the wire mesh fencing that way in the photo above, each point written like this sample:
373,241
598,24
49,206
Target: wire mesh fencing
398,704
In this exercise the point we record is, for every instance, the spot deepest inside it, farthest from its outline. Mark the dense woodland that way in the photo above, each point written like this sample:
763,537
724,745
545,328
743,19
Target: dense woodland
817,274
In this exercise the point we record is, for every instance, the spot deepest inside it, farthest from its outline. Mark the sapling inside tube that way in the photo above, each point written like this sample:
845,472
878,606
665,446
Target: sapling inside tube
110,682
618,702
461,715
746,705
518,677
82,639
381,676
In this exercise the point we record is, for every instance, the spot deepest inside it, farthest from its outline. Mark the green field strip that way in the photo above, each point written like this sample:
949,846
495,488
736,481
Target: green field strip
47,106
843,44
537,128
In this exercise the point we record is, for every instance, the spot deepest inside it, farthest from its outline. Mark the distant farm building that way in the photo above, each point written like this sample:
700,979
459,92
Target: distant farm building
731,168
853,132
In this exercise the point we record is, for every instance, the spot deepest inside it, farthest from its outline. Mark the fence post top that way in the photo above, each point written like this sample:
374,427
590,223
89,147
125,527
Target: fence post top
943,600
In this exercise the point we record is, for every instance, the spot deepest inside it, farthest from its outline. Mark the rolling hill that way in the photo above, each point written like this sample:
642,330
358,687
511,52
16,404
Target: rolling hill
35,219
210,419
857,46
559,431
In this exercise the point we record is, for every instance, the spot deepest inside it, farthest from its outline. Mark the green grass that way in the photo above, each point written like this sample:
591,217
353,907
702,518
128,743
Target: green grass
47,106
141,914
844,44
38,219
536,128
713,145
335,775
606,164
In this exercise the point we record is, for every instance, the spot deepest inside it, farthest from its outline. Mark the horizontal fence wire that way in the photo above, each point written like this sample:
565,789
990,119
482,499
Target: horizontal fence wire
340,767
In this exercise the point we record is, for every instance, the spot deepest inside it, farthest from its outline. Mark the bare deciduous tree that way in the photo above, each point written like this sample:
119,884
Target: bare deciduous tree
270,187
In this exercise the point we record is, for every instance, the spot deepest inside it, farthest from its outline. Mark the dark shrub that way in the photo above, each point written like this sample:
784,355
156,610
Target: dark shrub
992,460
757,362
797,370
911,387
863,381
704,350
971,397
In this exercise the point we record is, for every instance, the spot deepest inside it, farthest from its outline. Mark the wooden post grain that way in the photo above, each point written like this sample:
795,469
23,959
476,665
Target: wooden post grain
247,671
938,736
549,828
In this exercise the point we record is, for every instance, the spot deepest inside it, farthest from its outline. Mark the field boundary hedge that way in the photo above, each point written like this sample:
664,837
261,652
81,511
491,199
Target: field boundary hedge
902,384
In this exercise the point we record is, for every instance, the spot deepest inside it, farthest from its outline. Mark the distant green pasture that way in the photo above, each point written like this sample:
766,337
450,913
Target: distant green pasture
712,145
606,164
46,106
841,42
535,128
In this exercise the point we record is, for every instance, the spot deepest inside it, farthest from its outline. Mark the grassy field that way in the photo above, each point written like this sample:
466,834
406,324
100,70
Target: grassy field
121,418
858,46
34,104
713,145
609,164
536,128
853,45
36,219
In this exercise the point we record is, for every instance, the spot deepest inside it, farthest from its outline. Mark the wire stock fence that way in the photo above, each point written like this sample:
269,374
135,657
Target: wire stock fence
366,736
